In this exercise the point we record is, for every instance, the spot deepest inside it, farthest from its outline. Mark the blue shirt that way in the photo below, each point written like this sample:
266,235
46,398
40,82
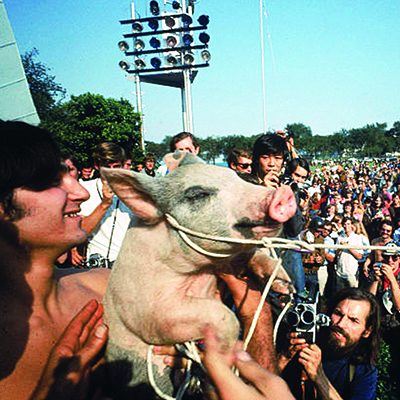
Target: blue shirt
362,385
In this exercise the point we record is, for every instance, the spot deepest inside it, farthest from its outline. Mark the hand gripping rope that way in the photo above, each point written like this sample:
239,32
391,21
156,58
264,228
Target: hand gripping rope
189,348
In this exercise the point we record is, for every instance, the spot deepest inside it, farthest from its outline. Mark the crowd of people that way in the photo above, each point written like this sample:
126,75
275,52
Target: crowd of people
40,198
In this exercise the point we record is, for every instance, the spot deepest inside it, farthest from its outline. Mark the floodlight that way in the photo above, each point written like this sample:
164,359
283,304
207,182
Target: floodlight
123,46
137,27
203,20
154,8
155,43
124,65
188,58
206,56
204,38
153,24
138,44
140,64
171,41
186,20
172,60
176,5
187,39
170,22
155,62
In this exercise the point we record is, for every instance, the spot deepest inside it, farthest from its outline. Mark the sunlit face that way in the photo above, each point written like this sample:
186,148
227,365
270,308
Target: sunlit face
386,231
348,227
87,173
128,164
299,175
349,322
392,260
243,165
187,145
50,217
269,163
149,164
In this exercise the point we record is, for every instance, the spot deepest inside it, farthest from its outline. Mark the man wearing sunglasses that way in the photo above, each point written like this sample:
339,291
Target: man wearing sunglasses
239,160
386,284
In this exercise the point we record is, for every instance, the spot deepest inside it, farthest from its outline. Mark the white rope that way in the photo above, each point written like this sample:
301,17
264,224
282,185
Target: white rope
280,318
271,243
151,376
261,304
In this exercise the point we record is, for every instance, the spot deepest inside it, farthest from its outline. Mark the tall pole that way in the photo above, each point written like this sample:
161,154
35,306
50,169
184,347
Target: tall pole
138,95
263,67
186,91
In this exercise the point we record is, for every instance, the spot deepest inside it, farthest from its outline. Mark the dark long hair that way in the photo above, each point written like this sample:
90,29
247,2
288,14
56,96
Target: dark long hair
29,158
367,349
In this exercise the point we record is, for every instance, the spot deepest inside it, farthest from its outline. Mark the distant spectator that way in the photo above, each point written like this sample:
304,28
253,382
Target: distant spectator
149,164
139,167
239,160
87,171
386,236
347,264
106,218
183,141
394,209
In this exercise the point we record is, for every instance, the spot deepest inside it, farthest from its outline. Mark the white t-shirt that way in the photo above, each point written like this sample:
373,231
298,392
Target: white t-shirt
100,240
347,264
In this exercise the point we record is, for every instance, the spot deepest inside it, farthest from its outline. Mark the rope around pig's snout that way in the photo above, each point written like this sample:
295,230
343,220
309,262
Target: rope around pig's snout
271,243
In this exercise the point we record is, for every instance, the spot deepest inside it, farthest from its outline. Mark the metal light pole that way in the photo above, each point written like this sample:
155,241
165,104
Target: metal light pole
180,66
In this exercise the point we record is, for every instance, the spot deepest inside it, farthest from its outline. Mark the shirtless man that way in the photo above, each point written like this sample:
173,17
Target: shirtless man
39,203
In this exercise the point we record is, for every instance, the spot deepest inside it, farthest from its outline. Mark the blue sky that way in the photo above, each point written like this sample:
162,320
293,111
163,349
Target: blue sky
329,64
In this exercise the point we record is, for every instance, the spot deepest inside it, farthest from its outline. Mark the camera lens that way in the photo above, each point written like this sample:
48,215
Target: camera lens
307,317
292,318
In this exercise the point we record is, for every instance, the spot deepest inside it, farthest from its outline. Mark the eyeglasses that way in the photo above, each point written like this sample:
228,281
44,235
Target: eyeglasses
386,230
244,166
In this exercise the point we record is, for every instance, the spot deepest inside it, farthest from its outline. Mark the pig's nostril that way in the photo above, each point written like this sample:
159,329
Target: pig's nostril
283,205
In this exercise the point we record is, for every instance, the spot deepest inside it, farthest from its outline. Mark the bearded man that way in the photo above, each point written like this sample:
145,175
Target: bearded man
341,365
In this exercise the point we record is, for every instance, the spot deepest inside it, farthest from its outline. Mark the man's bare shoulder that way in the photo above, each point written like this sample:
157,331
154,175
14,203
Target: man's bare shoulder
91,282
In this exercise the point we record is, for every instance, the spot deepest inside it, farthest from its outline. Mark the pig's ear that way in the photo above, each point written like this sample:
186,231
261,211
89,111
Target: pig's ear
174,160
134,189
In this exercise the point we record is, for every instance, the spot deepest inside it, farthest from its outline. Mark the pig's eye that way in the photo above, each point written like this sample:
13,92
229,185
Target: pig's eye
198,193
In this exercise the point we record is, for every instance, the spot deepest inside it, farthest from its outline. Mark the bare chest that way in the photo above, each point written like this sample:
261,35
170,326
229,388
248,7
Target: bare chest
24,350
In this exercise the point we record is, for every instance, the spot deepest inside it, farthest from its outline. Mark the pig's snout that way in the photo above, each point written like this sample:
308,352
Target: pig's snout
283,205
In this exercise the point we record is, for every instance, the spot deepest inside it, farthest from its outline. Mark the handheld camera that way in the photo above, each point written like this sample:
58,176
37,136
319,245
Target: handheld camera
305,319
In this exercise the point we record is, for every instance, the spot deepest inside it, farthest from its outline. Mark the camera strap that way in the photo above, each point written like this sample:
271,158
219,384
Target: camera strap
112,230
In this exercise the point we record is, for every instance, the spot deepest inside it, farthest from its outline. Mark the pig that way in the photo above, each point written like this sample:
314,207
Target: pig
161,291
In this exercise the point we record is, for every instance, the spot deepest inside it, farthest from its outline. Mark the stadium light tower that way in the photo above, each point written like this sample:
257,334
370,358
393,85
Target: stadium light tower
166,51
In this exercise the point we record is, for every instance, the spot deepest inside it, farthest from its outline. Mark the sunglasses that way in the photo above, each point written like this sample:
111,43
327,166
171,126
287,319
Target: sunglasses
394,257
244,166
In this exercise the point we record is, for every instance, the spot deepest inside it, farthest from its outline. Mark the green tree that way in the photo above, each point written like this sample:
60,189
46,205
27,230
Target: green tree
88,119
303,138
159,150
210,148
46,92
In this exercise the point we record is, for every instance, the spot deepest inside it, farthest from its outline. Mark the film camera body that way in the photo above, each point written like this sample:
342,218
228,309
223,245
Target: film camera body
98,261
299,188
305,319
